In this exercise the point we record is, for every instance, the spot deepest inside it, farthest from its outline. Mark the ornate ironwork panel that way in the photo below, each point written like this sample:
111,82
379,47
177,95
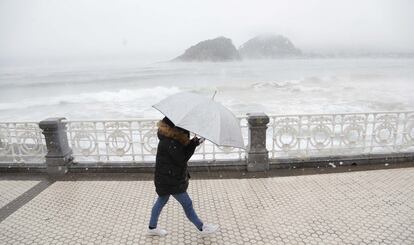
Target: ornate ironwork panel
21,142
340,134
408,132
133,141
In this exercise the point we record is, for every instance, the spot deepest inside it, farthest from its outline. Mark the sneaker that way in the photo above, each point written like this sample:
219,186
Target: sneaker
157,232
208,229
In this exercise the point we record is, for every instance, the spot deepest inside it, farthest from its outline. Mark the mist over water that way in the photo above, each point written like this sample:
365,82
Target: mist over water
285,86
98,59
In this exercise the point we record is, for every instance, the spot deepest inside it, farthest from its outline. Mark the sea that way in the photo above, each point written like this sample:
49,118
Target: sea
128,89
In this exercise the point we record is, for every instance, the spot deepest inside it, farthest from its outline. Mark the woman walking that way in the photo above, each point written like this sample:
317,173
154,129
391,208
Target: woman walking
171,175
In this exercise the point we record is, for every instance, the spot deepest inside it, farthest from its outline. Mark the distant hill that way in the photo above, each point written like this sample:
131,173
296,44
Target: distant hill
218,49
268,47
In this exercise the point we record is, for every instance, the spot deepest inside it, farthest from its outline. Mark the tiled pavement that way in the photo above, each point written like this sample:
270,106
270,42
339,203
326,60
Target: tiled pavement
11,189
371,207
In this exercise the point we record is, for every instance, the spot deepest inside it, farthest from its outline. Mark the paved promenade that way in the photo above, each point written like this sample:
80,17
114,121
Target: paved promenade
369,207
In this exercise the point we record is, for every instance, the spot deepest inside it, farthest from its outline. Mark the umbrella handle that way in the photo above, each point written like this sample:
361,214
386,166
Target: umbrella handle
201,139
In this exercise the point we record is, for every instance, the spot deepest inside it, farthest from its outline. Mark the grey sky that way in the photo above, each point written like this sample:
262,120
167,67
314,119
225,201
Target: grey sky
39,28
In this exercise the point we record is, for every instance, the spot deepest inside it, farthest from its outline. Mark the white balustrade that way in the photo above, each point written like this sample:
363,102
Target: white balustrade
21,142
340,134
132,141
288,136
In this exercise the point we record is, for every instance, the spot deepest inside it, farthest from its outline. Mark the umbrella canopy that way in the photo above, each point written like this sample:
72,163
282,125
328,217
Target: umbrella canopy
203,116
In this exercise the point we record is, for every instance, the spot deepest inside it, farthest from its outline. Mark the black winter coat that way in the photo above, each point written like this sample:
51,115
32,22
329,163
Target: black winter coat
171,174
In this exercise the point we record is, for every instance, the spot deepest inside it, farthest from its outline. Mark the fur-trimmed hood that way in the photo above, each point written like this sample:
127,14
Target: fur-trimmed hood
173,133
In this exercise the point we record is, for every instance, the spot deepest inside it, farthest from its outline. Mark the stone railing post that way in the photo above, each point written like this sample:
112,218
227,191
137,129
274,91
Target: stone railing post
257,154
59,154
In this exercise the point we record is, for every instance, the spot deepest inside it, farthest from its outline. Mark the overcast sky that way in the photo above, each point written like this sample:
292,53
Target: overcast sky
39,28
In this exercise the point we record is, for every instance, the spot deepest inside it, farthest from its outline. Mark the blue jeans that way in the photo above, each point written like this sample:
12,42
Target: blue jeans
185,201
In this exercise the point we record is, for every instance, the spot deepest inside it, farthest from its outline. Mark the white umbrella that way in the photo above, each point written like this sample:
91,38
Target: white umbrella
203,116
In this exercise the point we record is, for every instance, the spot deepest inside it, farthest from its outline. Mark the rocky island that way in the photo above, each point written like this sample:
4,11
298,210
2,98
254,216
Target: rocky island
222,49
218,49
268,47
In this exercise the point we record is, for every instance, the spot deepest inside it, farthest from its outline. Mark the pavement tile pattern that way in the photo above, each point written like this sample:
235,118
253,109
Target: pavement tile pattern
11,189
371,207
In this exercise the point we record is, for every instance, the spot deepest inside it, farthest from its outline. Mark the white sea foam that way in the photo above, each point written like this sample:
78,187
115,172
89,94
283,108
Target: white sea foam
275,87
120,96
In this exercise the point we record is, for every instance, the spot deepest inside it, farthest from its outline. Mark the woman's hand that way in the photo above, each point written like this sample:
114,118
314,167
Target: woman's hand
197,141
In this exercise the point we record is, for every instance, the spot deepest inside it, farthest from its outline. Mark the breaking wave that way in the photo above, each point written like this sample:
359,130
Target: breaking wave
120,96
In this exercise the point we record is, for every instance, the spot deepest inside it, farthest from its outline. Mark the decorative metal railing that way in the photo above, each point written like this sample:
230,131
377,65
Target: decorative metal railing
340,134
21,142
132,141
288,136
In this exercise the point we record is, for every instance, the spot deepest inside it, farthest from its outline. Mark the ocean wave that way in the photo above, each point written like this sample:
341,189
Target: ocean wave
90,79
274,84
120,96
